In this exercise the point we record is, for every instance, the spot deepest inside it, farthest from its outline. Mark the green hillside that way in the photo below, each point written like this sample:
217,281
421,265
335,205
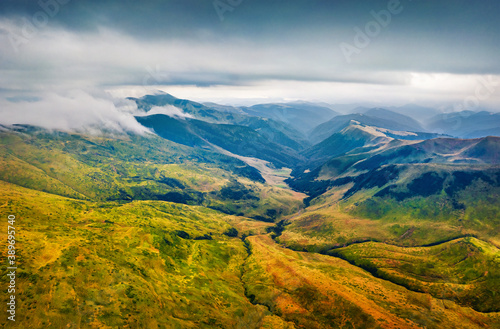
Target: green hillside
131,231
126,168
142,264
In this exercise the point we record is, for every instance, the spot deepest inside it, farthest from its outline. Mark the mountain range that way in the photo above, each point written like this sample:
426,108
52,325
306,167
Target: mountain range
301,116
466,124
269,216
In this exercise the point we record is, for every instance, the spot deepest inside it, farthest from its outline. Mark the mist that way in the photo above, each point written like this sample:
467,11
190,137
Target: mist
74,110
170,111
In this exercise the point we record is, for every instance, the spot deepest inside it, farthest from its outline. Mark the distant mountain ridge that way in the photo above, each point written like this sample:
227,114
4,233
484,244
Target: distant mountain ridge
379,118
417,112
301,116
276,131
466,124
270,130
308,123
405,120
350,138
240,140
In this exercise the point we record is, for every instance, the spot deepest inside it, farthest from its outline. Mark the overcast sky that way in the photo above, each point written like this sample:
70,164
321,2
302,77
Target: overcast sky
248,51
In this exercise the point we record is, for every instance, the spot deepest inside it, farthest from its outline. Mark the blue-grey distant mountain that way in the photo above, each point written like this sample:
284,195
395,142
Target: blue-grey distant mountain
348,139
224,108
195,109
301,116
276,131
438,150
410,123
338,123
342,108
239,140
483,133
466,124
357,138
417,112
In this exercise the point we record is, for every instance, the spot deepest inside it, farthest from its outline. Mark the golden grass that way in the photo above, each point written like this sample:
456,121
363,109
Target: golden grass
96,265
318,291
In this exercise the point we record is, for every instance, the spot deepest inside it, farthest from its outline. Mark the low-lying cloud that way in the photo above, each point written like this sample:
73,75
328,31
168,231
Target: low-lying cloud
170,111
75,110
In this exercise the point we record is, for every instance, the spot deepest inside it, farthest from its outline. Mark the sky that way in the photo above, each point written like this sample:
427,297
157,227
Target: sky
63,57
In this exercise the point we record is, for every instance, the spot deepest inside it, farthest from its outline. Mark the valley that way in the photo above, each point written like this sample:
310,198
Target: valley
270,216
272,176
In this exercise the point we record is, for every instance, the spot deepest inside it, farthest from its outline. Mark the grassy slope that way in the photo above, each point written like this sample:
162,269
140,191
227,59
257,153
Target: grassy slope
466,270
105,264
92,264
469,267
319,291
407,205
131,168
94,261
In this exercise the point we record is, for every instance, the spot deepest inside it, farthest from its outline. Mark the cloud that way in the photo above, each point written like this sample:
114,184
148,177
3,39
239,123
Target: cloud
290,47
59,58
75,110
170,111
